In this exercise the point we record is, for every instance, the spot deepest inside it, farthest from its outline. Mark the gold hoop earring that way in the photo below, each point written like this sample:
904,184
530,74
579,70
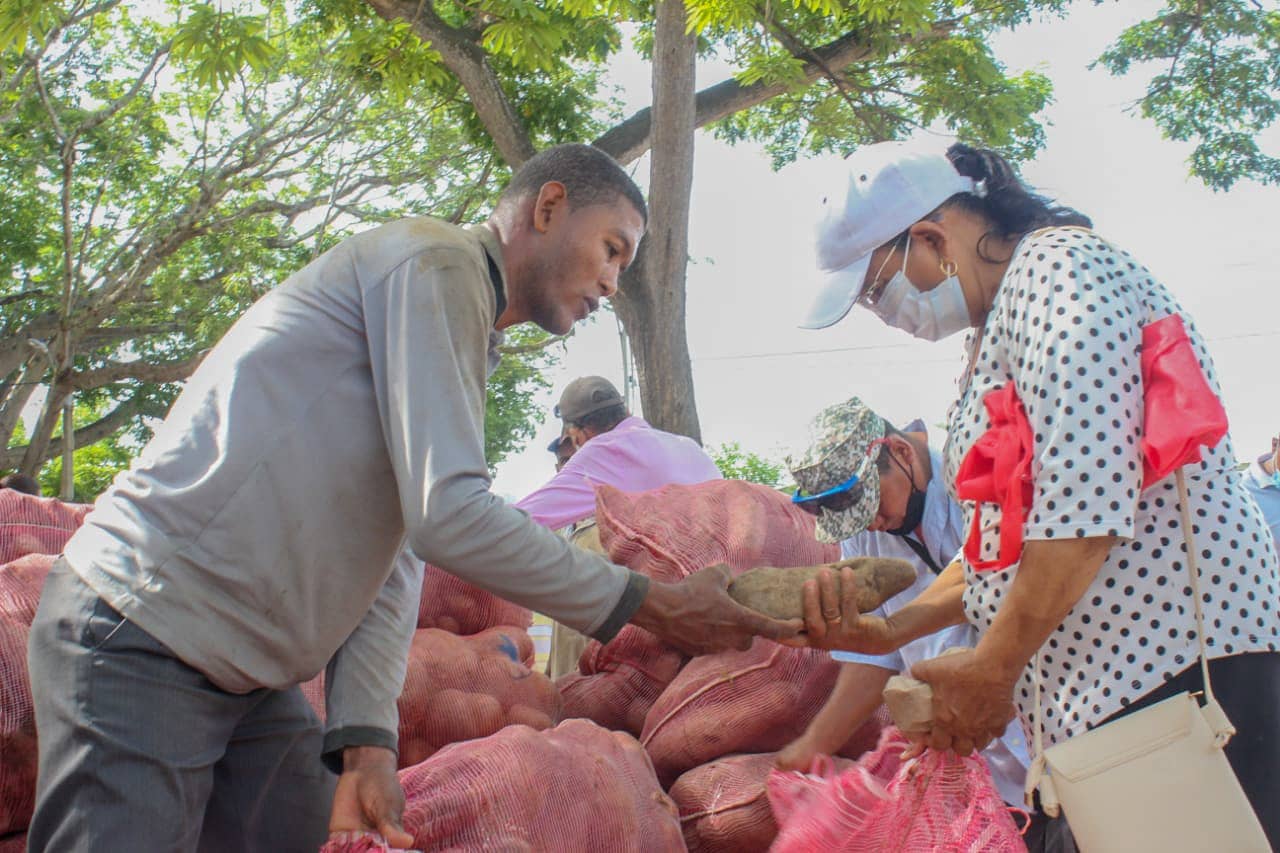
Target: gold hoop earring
948,268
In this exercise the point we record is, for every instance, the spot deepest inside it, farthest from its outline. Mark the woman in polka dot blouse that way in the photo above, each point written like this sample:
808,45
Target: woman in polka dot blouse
938,242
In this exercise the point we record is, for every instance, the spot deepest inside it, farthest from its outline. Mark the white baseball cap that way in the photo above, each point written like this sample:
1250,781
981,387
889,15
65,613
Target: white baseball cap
882,190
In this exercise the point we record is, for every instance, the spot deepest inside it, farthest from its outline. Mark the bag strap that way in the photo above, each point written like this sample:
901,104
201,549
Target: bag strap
1212,711
1217,718
922,551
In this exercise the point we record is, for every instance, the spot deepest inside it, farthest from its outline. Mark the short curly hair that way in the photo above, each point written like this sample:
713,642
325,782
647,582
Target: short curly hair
590,176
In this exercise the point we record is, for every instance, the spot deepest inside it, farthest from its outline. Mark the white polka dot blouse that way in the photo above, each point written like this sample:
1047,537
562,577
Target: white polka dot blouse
1066,329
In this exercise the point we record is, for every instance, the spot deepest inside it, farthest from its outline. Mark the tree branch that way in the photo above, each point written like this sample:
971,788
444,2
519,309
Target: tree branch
477,189
93,338
798,48
631,138
48,107
86,435
37,451
16,400
98,117
141,370
469,63
18,297
14,349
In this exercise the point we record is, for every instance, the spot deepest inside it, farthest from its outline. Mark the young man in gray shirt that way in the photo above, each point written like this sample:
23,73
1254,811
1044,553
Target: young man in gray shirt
255,540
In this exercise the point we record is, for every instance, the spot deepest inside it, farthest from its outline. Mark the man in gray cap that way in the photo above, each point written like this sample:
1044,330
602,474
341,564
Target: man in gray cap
611,446
880,493
605,444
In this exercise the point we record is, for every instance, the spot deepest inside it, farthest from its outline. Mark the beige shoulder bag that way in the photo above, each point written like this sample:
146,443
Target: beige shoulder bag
1155,779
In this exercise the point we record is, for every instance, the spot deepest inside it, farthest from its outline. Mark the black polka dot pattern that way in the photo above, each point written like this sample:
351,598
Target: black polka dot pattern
1066,328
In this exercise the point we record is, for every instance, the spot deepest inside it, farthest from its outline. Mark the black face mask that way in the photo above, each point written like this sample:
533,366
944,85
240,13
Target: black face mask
915,506
915,512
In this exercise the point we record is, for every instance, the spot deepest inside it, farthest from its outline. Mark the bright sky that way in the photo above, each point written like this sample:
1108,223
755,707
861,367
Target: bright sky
758,379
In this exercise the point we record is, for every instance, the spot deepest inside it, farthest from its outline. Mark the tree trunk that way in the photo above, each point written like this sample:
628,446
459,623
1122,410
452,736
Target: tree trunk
38,450
68,450
16,400
652,307
651,301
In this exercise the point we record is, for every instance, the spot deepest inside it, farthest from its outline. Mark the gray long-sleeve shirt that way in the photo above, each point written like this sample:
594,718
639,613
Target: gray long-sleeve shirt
257,533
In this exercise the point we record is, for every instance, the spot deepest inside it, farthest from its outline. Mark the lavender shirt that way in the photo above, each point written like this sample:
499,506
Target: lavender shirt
633,457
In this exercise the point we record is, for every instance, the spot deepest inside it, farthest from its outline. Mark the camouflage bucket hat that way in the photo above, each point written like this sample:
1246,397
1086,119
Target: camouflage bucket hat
842,440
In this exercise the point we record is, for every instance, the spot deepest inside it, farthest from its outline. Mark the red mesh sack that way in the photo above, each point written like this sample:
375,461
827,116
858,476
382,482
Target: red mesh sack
16,843
510,641
668,534
32,525
313,692
452,604
577,788
724,807
461,688
671,532
754,701
17,726
939,802
617,683
21,581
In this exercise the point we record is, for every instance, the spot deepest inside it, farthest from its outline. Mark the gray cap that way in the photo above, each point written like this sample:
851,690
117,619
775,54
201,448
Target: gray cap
586,395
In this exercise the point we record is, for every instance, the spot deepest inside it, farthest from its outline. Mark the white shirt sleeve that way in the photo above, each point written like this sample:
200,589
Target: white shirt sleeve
1073,335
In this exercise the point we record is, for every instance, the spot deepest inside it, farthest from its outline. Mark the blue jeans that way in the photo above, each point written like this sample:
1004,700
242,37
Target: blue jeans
140,752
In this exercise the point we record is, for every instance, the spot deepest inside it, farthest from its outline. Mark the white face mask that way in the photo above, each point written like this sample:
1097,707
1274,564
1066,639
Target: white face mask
932,315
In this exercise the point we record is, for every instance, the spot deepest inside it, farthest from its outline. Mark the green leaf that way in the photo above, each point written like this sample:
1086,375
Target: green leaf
215,46
27,22
1217,83
738,464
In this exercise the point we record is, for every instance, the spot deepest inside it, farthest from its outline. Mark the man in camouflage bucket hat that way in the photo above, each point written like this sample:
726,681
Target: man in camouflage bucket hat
843,441
884,513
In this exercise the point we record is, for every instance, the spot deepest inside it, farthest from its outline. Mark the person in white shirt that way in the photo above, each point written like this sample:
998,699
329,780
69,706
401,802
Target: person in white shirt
1262,480
897,507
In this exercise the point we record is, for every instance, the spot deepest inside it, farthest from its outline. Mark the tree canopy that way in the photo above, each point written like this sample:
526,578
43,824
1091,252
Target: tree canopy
162,164
813,76
1216,82
159,172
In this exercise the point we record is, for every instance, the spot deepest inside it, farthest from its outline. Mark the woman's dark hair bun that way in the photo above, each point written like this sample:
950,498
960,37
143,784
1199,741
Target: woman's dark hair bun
1010,205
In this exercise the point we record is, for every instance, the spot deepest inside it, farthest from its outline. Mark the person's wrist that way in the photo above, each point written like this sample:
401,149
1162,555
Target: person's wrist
894,632
821,740
367,757
1000,661
654,611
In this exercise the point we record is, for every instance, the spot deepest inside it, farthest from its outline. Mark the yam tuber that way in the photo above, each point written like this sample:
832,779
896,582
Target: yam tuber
779,592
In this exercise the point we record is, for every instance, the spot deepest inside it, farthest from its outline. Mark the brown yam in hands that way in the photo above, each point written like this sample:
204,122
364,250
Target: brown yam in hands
780,592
